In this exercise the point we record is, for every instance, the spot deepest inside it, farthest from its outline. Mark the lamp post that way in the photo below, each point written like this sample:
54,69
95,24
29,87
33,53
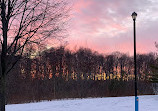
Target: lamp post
134,15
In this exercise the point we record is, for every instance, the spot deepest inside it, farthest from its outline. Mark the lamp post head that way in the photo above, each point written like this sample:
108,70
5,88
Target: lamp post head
134,15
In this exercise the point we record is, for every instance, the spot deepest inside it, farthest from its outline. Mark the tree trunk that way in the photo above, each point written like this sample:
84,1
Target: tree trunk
2,79
54,89
2,93
3,67
155,88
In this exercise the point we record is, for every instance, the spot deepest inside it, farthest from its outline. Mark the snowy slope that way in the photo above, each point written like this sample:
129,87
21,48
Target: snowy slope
146,103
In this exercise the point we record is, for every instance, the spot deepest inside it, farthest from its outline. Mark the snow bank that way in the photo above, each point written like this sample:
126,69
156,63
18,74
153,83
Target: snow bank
146,103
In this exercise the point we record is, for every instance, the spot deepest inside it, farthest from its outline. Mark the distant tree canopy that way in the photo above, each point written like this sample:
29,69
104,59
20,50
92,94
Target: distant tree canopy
59,73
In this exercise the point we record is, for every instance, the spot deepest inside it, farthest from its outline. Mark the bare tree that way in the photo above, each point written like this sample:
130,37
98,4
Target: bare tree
24,22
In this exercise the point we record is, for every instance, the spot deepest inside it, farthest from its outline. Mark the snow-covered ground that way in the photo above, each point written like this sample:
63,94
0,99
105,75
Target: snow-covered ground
146,103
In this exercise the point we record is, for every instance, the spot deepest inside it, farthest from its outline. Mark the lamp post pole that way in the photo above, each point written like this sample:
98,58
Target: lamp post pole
134,15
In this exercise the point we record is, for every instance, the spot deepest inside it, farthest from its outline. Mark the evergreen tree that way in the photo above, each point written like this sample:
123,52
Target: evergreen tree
154,74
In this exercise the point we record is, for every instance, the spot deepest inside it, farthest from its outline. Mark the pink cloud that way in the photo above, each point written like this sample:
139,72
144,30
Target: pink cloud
107,26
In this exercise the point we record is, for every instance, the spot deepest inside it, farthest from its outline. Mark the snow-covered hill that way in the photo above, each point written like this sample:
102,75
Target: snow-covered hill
146,103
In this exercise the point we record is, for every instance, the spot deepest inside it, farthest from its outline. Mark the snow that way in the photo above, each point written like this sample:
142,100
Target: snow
146,103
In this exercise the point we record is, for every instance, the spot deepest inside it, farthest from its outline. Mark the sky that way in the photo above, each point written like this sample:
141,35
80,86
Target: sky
106,26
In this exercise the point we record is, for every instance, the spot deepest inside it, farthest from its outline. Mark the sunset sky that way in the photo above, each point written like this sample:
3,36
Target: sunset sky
107,26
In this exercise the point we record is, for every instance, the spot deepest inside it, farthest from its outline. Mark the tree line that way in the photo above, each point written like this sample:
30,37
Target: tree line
58,73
